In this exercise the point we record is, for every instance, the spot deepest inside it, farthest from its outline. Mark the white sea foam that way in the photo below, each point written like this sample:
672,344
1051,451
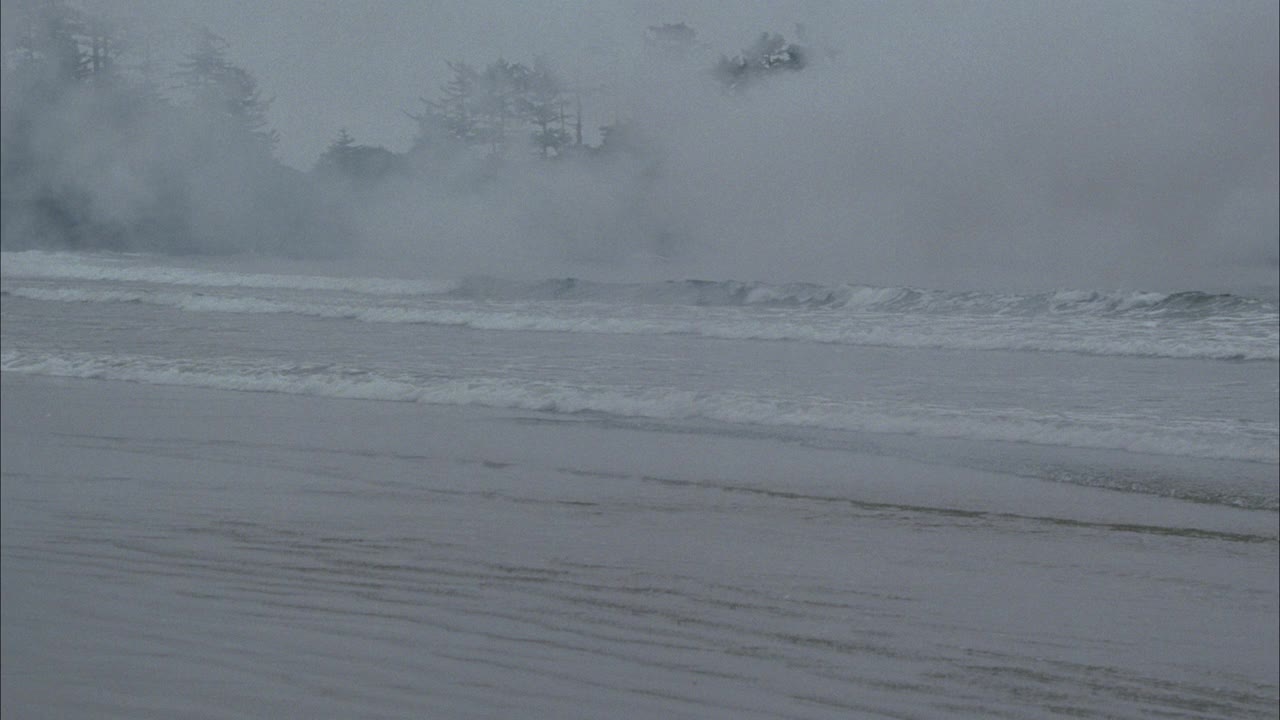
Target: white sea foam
34,264
1215,439
38,264
1223,339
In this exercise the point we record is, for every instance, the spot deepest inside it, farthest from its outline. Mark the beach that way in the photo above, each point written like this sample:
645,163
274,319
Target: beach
207,553
792,360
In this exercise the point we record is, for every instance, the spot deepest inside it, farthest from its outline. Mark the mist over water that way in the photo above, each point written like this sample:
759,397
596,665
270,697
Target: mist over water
475,358
1028,146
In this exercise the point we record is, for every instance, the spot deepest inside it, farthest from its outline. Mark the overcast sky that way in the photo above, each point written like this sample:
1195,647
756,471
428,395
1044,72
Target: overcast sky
360,63
1105,136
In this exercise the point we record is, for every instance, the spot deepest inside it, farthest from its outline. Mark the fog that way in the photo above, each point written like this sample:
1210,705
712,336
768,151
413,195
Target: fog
639,358
1047,144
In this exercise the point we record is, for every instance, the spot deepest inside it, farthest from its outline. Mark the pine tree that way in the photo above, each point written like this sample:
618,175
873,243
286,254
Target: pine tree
454,114
500,86
542,104
336,156
48,52
357,164
223,89
104,46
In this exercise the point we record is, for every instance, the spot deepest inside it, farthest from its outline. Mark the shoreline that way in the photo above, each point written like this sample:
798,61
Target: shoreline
750,462
178,551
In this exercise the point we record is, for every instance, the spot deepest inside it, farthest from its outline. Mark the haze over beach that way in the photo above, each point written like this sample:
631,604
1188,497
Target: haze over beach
639,359
1047,145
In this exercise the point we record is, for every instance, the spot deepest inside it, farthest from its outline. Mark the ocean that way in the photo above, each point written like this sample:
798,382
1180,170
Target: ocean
240,488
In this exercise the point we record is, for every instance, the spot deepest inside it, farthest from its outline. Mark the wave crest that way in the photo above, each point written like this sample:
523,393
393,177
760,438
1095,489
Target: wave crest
1192,438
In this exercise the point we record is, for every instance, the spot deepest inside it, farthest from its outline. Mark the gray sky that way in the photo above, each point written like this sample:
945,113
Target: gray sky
359,63
1111,137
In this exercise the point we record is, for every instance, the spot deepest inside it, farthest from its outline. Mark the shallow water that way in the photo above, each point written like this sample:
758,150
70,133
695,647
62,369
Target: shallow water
1154,376
489,498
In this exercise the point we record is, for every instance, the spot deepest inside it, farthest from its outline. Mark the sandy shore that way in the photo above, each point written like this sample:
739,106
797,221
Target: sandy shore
176,552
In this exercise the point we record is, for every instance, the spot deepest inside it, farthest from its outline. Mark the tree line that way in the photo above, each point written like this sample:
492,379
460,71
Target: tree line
491,109
100,149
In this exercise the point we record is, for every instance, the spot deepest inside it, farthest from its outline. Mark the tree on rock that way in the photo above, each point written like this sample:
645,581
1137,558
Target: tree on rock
768,55
357,164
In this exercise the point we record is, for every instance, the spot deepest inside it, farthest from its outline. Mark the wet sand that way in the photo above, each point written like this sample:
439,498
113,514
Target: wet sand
179,552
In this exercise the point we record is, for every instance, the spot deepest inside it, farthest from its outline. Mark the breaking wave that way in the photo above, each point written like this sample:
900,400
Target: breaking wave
1222,440
43,265
1217,339
35,264
734,293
